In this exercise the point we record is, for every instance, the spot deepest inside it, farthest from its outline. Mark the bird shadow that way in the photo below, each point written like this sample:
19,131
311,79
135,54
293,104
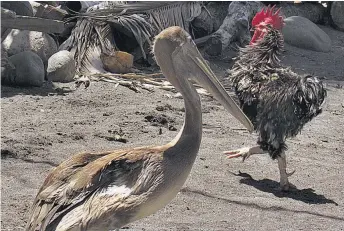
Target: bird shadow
307,195
48,89
6,154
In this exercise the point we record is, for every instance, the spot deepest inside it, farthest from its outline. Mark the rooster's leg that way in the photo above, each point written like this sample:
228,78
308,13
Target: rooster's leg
244,152
282,165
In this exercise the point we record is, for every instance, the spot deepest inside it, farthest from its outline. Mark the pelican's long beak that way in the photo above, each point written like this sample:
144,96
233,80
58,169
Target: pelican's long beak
208,80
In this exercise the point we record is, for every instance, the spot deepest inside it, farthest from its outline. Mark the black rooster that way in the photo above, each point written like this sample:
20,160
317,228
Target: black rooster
278,101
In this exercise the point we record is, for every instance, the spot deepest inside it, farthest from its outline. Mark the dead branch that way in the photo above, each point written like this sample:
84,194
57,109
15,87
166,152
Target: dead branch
33,23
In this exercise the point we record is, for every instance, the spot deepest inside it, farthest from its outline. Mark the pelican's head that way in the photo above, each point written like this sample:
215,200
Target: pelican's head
173,34
178,57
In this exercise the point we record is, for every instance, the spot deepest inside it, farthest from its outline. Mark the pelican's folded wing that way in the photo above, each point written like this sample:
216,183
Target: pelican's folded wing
81,176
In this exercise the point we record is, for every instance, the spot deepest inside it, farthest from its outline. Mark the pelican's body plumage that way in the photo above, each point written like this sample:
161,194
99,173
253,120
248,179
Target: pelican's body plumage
105,191
128,180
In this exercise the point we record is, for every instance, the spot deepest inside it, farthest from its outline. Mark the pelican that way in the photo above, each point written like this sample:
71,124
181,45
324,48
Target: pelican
107,190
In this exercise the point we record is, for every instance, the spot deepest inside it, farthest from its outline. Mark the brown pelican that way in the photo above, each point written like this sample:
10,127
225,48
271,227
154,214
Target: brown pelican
107,190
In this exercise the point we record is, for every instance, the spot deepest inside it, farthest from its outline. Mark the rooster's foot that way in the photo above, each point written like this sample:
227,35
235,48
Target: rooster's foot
245,152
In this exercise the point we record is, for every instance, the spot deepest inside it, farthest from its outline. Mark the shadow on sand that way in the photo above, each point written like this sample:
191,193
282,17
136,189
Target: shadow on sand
47,89
254,205
5,154
307,195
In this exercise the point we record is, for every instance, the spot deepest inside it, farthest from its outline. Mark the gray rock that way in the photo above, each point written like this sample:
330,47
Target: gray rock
301,32
61,67
235,27
8,70
313,11
35,6
337,14
20,7
29,69
23,40
211,18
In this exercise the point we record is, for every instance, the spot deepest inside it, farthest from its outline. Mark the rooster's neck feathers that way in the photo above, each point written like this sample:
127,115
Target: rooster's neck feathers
264,51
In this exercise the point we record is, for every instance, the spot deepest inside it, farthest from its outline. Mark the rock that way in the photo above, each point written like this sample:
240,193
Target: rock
29,69
337,15
19,7
61,67
49,12
303,33
117,62
7,14
235,27
8,70
23,40
313,11
35,6
210,19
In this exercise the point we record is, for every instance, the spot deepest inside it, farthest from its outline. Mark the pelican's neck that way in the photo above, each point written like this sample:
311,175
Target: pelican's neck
188,140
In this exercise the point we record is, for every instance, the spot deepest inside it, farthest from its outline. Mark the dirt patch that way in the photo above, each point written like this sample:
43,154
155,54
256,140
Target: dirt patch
161,120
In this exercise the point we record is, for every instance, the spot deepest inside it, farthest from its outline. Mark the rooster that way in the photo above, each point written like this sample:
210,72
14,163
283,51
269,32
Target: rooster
278,101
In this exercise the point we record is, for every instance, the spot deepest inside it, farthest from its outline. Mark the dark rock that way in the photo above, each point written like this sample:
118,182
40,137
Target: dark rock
235,27
337,14
301,32
19,7
29,69
311,10
8,70
210,19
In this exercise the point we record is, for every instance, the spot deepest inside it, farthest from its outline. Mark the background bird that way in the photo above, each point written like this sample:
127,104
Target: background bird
278,101
107,190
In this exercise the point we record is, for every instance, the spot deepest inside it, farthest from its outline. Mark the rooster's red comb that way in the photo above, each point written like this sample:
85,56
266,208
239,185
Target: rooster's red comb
274,19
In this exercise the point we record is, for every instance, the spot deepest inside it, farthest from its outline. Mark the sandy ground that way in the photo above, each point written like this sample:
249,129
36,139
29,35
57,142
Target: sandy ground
41,127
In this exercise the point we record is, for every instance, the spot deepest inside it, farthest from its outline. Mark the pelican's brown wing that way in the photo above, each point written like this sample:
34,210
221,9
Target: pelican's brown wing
76,179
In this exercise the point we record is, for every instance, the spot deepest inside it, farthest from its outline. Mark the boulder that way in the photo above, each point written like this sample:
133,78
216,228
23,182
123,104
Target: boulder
61,67
8,71
117,62
210,19
29,69
235,28
337,14
313,11
23,40
301,32
19,7
48,11
7,14
35,6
